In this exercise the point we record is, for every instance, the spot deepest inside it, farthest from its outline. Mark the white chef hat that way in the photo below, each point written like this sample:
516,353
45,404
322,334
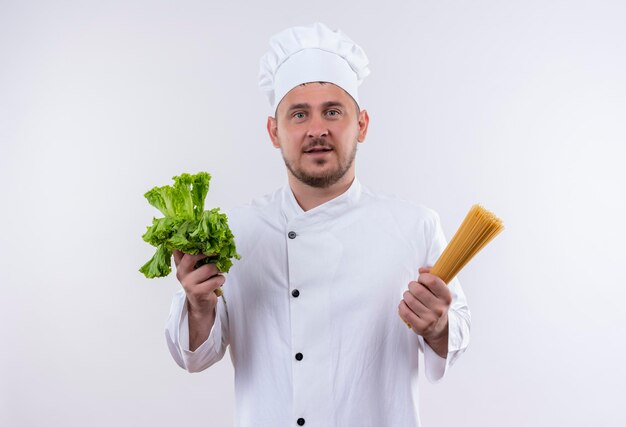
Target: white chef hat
311,54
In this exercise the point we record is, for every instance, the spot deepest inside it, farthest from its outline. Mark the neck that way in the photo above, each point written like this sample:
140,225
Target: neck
310,197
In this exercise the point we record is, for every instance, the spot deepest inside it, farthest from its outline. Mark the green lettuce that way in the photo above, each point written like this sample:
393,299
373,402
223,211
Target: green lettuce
187,227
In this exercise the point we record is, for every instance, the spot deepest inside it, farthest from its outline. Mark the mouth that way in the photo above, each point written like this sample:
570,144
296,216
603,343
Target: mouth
318,151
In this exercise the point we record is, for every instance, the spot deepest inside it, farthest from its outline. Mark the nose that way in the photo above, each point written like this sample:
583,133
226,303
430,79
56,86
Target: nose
317,128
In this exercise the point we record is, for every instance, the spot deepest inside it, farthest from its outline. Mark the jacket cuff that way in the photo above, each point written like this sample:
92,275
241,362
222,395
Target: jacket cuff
437,366
214,334
178,334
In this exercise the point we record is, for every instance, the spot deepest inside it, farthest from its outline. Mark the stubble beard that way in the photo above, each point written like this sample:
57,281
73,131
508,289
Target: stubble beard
328,178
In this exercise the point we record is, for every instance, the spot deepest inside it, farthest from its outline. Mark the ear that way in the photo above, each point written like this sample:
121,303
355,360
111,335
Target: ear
364,121
272,130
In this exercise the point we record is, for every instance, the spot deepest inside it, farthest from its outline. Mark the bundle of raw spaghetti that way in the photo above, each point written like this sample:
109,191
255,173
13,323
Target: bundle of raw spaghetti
478,228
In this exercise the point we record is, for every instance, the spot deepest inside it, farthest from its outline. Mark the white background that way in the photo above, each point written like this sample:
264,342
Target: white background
520,106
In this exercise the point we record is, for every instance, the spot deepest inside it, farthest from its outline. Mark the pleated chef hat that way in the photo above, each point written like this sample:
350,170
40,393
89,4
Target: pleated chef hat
311,54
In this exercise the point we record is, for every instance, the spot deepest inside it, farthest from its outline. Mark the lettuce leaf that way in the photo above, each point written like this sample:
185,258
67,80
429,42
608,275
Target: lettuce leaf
186,226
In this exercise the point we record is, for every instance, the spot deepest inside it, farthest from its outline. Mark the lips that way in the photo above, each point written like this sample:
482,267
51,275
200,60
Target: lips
318,150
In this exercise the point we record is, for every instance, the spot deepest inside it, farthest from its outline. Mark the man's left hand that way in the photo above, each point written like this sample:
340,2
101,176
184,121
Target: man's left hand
425,307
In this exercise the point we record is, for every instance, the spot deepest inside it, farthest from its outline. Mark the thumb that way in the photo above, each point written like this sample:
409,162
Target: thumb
178,255
424,270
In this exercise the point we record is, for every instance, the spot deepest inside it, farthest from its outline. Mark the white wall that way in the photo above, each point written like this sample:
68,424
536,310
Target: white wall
518,105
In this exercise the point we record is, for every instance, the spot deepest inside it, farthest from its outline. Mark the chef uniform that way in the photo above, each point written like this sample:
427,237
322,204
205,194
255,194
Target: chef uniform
311,309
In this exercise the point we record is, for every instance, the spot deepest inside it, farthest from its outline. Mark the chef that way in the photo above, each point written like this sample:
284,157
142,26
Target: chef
331,273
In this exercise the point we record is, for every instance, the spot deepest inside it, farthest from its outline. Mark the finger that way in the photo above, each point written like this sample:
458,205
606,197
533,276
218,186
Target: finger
416,306
212,283
424,270
204,290
188,262
435,285
202,274
178,255
411,318
423,294
208,259
215,282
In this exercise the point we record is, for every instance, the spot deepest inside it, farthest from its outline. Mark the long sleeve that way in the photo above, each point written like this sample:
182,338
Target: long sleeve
177,336
459,319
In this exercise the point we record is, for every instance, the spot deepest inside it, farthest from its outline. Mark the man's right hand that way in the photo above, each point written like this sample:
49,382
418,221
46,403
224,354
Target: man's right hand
199,285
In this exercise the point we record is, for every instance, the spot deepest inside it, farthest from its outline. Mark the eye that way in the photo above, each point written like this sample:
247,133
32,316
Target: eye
298,115
333,113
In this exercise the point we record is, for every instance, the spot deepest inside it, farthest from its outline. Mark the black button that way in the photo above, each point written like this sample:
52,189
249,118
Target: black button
292,234
299,356
300,421
295,293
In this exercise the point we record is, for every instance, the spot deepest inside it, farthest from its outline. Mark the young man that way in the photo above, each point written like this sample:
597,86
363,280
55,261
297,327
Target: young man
318,306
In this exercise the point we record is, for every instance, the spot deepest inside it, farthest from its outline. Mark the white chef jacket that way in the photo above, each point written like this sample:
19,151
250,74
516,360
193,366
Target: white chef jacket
311,312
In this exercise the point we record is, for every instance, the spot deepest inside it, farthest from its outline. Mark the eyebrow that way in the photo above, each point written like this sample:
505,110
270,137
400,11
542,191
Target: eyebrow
298,106
305,106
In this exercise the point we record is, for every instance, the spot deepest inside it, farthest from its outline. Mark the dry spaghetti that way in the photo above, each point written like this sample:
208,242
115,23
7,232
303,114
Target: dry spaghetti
478,228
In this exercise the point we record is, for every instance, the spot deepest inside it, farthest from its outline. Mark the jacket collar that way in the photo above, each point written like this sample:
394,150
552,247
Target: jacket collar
332,209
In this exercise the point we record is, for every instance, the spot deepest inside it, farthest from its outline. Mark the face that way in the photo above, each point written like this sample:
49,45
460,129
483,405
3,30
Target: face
317,128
